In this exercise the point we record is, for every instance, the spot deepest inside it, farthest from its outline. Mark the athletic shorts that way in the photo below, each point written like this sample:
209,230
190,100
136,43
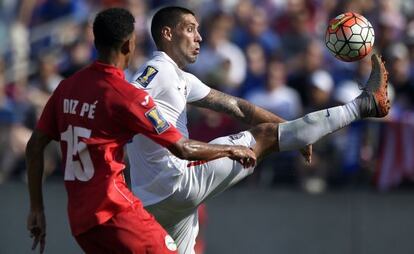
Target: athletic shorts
201,181
131,231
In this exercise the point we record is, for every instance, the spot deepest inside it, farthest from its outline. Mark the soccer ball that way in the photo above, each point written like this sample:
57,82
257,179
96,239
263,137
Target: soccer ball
349,36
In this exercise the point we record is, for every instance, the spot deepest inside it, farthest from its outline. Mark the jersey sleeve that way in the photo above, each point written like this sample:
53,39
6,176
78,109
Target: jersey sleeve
197,90
143,116
48,122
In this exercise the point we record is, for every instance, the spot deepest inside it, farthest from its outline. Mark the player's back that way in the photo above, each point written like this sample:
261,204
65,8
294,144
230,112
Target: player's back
95,97
91,108
93,114
94,102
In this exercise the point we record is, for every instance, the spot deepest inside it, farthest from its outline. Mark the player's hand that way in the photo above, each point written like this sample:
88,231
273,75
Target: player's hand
36,224
244,156
307,153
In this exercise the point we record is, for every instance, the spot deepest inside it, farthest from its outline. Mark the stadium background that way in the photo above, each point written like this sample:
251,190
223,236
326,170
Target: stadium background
356,197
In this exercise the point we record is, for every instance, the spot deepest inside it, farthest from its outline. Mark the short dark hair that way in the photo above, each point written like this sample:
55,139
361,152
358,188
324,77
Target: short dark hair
167,16
111,27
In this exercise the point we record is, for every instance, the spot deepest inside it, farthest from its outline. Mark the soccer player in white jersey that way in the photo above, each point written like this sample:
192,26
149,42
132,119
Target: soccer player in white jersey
172,188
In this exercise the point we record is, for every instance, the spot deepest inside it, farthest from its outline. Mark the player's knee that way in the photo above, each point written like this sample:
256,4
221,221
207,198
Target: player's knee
266,136
265,130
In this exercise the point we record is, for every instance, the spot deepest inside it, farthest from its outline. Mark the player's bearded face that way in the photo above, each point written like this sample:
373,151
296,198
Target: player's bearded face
187,39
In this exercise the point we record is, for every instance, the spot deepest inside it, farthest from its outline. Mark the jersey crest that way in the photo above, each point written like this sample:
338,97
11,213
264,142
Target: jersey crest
157,120
146,77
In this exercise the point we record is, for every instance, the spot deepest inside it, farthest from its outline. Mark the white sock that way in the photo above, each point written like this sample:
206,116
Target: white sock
296,134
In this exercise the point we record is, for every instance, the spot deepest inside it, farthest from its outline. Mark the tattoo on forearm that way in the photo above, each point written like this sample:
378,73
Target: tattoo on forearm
221,102
248,109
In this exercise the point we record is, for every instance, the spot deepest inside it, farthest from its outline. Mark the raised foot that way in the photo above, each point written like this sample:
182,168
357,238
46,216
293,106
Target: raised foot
377,103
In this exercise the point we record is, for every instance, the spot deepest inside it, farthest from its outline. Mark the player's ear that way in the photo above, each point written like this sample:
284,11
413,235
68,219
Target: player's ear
166,33
125,47
128,45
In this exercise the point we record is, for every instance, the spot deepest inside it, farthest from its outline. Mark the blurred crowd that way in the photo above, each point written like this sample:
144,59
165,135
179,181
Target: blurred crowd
270,52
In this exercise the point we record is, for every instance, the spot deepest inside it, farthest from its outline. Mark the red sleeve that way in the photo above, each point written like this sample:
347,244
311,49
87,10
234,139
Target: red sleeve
48,123
143,117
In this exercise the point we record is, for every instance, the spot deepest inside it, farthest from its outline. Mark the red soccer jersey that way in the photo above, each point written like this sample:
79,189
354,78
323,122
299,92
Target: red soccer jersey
93,114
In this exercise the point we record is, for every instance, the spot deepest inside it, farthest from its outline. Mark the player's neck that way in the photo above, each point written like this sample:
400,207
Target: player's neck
114,59
175,57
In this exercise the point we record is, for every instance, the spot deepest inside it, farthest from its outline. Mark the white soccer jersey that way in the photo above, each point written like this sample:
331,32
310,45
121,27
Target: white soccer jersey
155,172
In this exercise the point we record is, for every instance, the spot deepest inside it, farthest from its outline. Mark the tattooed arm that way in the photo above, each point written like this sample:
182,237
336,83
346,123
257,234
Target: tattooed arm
244,111
238,108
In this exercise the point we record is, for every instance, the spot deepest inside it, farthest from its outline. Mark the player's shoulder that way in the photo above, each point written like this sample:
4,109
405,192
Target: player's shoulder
154,72
112,87
190,76
127,91
76,79
193,81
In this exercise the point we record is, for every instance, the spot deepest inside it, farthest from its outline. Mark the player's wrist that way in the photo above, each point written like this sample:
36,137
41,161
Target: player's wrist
37,208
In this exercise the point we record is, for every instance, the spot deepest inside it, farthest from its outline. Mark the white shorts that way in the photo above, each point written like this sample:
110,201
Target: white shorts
203,180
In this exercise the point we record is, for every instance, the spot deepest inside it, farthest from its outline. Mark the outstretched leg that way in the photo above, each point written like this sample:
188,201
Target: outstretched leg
296,134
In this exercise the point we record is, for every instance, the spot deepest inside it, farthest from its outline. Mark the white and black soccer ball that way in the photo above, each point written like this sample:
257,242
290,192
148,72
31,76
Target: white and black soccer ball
349,36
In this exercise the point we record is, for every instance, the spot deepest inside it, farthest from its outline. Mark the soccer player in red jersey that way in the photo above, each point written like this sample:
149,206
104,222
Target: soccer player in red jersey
93,114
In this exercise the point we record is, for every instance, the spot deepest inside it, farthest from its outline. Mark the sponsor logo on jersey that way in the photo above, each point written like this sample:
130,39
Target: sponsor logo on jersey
156,119
169,242
236,136
182,88
146,77
327,113
146,100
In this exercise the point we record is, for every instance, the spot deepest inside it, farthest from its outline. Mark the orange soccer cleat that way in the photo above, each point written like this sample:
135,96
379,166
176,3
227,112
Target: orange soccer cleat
377,103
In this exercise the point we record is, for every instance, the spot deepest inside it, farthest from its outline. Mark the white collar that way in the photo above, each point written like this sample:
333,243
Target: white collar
164,55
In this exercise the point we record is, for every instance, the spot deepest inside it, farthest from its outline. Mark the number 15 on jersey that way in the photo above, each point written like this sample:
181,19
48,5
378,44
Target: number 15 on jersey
78,160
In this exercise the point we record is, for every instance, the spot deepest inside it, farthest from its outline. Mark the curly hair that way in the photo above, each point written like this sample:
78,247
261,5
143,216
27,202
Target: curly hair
112,27
167,16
